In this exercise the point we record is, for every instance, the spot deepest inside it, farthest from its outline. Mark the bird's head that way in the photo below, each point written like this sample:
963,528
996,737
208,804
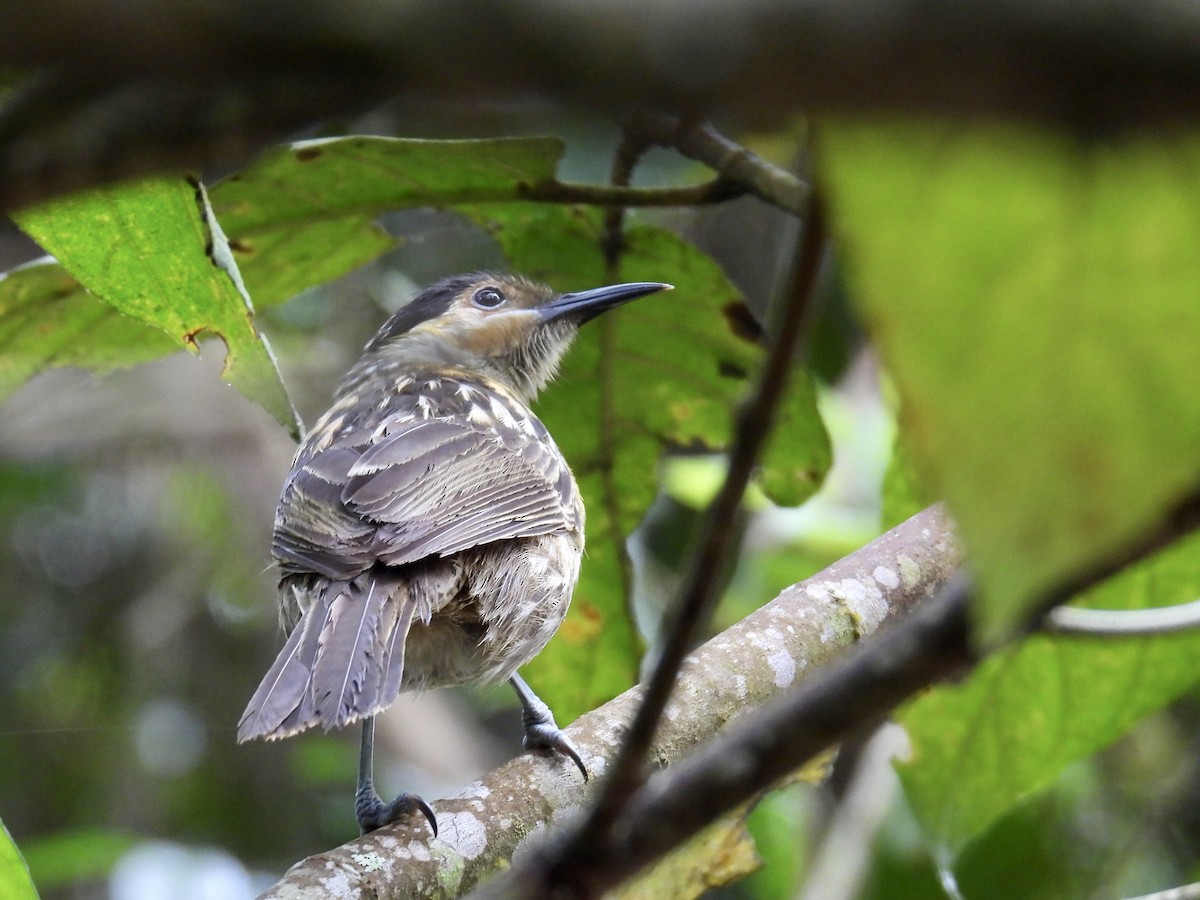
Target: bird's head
506,327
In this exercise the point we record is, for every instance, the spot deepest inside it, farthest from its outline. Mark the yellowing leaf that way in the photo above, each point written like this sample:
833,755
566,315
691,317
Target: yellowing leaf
719,855
1034,298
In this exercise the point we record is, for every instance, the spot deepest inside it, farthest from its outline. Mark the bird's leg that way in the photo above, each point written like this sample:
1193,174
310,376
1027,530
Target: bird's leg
541,731
369,807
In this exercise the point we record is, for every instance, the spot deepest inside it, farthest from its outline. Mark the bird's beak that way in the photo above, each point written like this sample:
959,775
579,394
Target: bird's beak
585,305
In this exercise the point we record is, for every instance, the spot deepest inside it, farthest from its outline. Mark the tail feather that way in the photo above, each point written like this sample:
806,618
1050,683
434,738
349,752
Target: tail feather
392,664
286,682
341,664
344,660
351,646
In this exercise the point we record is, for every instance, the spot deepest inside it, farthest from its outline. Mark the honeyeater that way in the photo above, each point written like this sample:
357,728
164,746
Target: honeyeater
430,532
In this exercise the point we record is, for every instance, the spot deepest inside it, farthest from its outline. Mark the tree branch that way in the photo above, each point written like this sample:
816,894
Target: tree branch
763,656
629,152
841,701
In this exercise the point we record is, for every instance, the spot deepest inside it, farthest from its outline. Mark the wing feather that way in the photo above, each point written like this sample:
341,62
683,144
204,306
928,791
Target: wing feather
419,441
425,478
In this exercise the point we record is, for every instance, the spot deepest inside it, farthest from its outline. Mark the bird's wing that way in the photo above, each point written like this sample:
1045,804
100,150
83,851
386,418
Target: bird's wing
442,486
423,484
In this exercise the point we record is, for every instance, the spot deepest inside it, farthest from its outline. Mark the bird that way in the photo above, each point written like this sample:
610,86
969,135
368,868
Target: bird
430,532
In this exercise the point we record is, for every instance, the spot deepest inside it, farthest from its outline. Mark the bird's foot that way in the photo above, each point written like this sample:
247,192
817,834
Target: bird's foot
373,813
543,733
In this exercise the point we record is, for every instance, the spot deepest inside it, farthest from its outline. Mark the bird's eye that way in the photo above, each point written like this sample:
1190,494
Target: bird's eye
488,298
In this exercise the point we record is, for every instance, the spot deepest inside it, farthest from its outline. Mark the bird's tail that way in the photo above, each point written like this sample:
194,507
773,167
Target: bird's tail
343,660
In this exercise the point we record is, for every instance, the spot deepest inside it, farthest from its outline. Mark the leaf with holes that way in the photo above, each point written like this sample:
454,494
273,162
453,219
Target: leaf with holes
300,216
140,247
663,371
303,214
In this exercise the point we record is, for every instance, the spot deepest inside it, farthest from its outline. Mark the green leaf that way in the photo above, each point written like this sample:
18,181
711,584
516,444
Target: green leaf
280,263
1035,299
798,453
300,216
364,176
664,371
902,494
15,883
47,320
140,247
303,213
1024,853
1008,730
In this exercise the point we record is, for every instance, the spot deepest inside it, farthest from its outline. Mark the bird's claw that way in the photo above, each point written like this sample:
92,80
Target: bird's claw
373,813
548,736
541,731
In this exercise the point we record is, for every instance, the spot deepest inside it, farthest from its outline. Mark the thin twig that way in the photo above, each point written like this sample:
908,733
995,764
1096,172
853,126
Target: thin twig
700,140
1180,520
1123,622
718,190
708,560
612,243
1183,892
631,149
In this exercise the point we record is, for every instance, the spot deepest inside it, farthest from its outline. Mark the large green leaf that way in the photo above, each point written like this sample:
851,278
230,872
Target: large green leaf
1035,299
1023,715
664,371
303,214
300,216
280,263
140,247
15,883
364,176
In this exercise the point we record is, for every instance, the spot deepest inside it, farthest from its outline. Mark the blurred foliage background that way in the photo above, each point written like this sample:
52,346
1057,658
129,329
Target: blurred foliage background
138,612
